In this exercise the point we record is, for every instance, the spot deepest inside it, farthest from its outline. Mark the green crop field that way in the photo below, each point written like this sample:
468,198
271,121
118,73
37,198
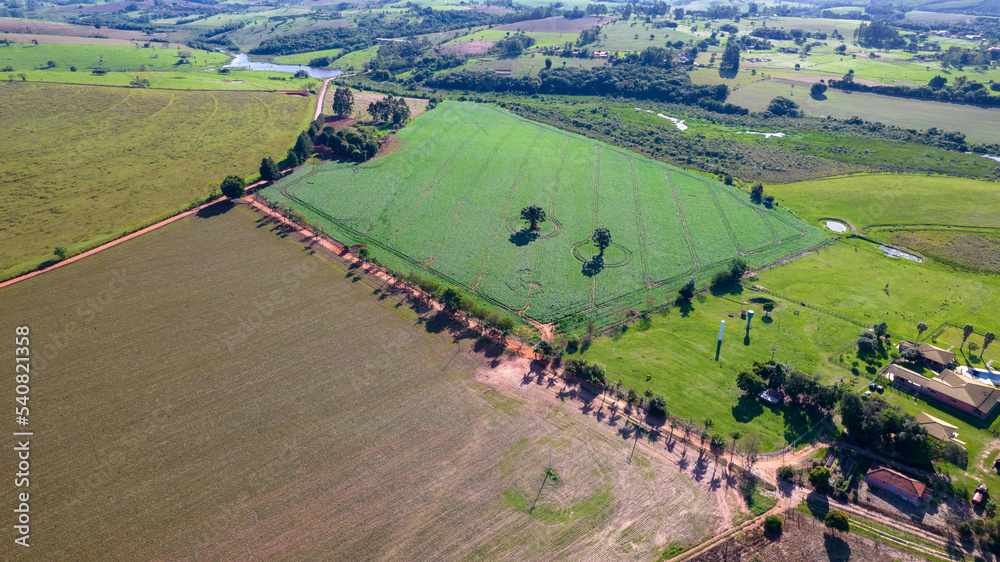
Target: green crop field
678,354
212,390
894,199
86,164
304,58
448,203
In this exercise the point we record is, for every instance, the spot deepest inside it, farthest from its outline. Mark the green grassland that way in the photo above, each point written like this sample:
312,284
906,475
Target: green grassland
124,64
952,336
448,202
86,164
24,57
542,38
527,65
855,279
894,199
355,60
214,371
678,353
974,249
756,92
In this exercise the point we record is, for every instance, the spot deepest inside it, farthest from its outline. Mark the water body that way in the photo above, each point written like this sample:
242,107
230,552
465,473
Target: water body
766,135
679,123
242,61
894,253
836,226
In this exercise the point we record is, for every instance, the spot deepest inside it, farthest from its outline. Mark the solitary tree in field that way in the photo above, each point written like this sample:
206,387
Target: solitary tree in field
233,187
768,307
966,332
987,340
534,215
817,90
921,328
268,169
60,252
837,521
602,237
343,101
731,57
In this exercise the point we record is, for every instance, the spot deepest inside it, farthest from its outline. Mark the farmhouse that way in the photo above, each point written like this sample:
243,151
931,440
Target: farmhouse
773,397
909,489
965,393
939,429
934,357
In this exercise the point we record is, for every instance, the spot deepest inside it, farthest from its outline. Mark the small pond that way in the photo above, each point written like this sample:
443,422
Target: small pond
836,226
894,253
242,61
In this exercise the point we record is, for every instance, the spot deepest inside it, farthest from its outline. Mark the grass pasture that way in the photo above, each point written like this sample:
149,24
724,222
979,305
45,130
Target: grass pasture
216,371
87,164
678,353
24,57
974,249
893,199
448,203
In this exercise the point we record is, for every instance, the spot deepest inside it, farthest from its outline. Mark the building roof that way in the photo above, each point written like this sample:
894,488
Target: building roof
939,429
935,353
900,481
980,395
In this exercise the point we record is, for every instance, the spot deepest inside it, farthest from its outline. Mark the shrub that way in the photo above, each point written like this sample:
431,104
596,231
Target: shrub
820,478
786,472
773,524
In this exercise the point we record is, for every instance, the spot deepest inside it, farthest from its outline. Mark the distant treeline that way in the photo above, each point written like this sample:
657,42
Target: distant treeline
978,95
369,28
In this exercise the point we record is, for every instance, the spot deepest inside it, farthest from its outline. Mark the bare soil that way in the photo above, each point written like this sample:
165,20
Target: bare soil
556,25
362,99
466,47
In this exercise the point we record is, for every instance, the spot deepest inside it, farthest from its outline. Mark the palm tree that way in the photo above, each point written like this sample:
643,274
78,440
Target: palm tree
966,332
735,435
987,340
673,426
534,215
921,328
708,423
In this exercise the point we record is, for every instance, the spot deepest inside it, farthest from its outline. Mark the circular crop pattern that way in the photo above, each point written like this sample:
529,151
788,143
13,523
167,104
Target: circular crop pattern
615,255
548,229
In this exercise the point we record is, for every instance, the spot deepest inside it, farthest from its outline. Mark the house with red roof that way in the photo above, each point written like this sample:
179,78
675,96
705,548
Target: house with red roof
910,489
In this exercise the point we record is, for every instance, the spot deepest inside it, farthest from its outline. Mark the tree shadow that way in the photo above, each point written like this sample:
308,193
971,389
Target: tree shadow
523,237
747,408
684,306
820,97
728,73
767,319
215,210
730,289
488,347
439,323
837,549
593,266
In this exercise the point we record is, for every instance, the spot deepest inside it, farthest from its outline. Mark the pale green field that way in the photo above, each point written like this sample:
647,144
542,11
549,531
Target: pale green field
24,57
527,65
868,200
355,61
260,17
977,123
204,80
542,38
621,36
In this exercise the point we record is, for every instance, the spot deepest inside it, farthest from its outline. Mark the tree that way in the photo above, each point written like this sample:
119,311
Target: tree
773,524
782,106
817,90
937,82
751,446
966,332
303,146
343,101
60,252
233,187
912,355
838,521
750,383
534,215
731,56
819,477
987,340
269,170
735,436
602,238
757,193
687,291
921,328
451,297
881,329
768,307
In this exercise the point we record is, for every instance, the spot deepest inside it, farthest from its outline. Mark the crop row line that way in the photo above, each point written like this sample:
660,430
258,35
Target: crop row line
537,262
639,225
695,265
725,220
